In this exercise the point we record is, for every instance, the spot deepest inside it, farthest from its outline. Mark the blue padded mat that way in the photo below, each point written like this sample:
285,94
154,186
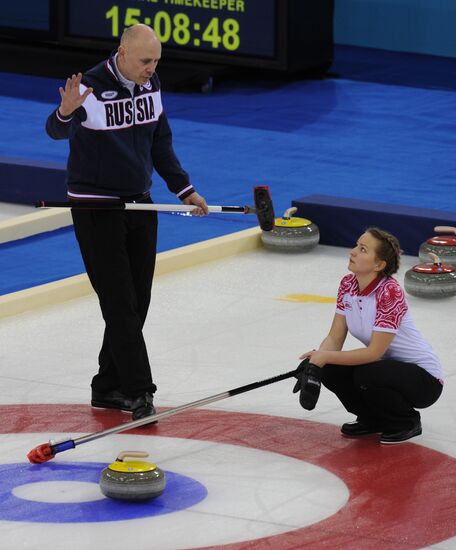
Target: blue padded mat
55,255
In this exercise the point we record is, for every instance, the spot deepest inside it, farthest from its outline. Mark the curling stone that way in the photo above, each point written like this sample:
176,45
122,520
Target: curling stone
132,479
444,246
291,234
431,280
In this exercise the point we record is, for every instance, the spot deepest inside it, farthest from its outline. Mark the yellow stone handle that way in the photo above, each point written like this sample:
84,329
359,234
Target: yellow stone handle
135,454
289,213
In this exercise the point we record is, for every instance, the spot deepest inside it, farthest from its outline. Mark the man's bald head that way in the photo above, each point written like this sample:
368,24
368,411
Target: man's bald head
139,32
139,53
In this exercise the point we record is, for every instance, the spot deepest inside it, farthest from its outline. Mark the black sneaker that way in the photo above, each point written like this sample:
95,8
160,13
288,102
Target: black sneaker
357,429
392,438
113,399
143,406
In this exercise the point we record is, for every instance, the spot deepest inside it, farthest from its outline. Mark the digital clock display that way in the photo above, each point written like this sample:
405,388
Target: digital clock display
236,27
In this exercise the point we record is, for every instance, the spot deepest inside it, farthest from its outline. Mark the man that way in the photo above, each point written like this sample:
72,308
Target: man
118,133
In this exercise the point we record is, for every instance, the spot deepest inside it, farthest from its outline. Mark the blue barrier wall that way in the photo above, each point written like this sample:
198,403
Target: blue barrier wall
342,220
420,26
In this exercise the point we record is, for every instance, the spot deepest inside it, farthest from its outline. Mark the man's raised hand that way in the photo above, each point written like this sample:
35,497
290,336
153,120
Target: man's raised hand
72,99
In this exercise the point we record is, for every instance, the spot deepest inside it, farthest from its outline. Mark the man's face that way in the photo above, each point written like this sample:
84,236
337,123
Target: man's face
140,59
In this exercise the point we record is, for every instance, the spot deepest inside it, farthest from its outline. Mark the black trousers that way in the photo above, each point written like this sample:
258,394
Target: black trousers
119,249
383,394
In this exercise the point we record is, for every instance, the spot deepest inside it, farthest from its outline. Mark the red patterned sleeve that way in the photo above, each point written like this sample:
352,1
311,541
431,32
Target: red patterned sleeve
391,307
345,286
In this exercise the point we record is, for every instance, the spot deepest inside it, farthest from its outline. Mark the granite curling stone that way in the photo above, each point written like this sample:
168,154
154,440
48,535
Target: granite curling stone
291,234
133,480
444,246
431,280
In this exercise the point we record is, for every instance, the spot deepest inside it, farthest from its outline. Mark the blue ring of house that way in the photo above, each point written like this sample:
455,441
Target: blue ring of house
181,492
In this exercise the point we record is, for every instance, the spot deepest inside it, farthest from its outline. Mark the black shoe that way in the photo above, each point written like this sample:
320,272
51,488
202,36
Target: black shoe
392,438
113,399
357,429
143,406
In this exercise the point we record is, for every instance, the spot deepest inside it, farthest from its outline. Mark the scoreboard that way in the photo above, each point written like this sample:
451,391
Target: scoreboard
288,35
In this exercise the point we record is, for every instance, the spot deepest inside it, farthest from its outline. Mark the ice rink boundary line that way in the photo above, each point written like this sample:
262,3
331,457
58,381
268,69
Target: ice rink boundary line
79,285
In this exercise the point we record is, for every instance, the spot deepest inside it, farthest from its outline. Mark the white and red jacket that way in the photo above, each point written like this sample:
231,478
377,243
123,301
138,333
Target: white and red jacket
382,307
117,139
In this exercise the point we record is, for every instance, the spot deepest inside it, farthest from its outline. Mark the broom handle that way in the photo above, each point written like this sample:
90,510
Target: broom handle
143,206
181,408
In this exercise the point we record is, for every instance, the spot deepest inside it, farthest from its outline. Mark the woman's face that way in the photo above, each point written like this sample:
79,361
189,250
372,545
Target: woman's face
363,257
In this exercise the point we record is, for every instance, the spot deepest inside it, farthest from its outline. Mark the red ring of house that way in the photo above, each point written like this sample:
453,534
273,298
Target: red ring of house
398,494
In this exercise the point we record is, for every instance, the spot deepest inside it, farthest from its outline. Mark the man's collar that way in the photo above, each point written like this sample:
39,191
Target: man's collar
130,84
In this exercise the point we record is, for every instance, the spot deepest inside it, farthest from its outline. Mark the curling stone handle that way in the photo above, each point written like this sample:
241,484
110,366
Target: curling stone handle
288,213
434,258
445,229
135,454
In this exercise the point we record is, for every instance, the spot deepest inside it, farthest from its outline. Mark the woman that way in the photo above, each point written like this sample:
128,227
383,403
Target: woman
397,371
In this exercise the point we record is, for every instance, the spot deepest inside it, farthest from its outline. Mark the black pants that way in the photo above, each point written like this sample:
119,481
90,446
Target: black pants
119,249
383,394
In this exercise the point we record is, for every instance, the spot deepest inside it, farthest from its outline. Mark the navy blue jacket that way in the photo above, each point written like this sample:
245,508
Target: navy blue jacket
117,140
